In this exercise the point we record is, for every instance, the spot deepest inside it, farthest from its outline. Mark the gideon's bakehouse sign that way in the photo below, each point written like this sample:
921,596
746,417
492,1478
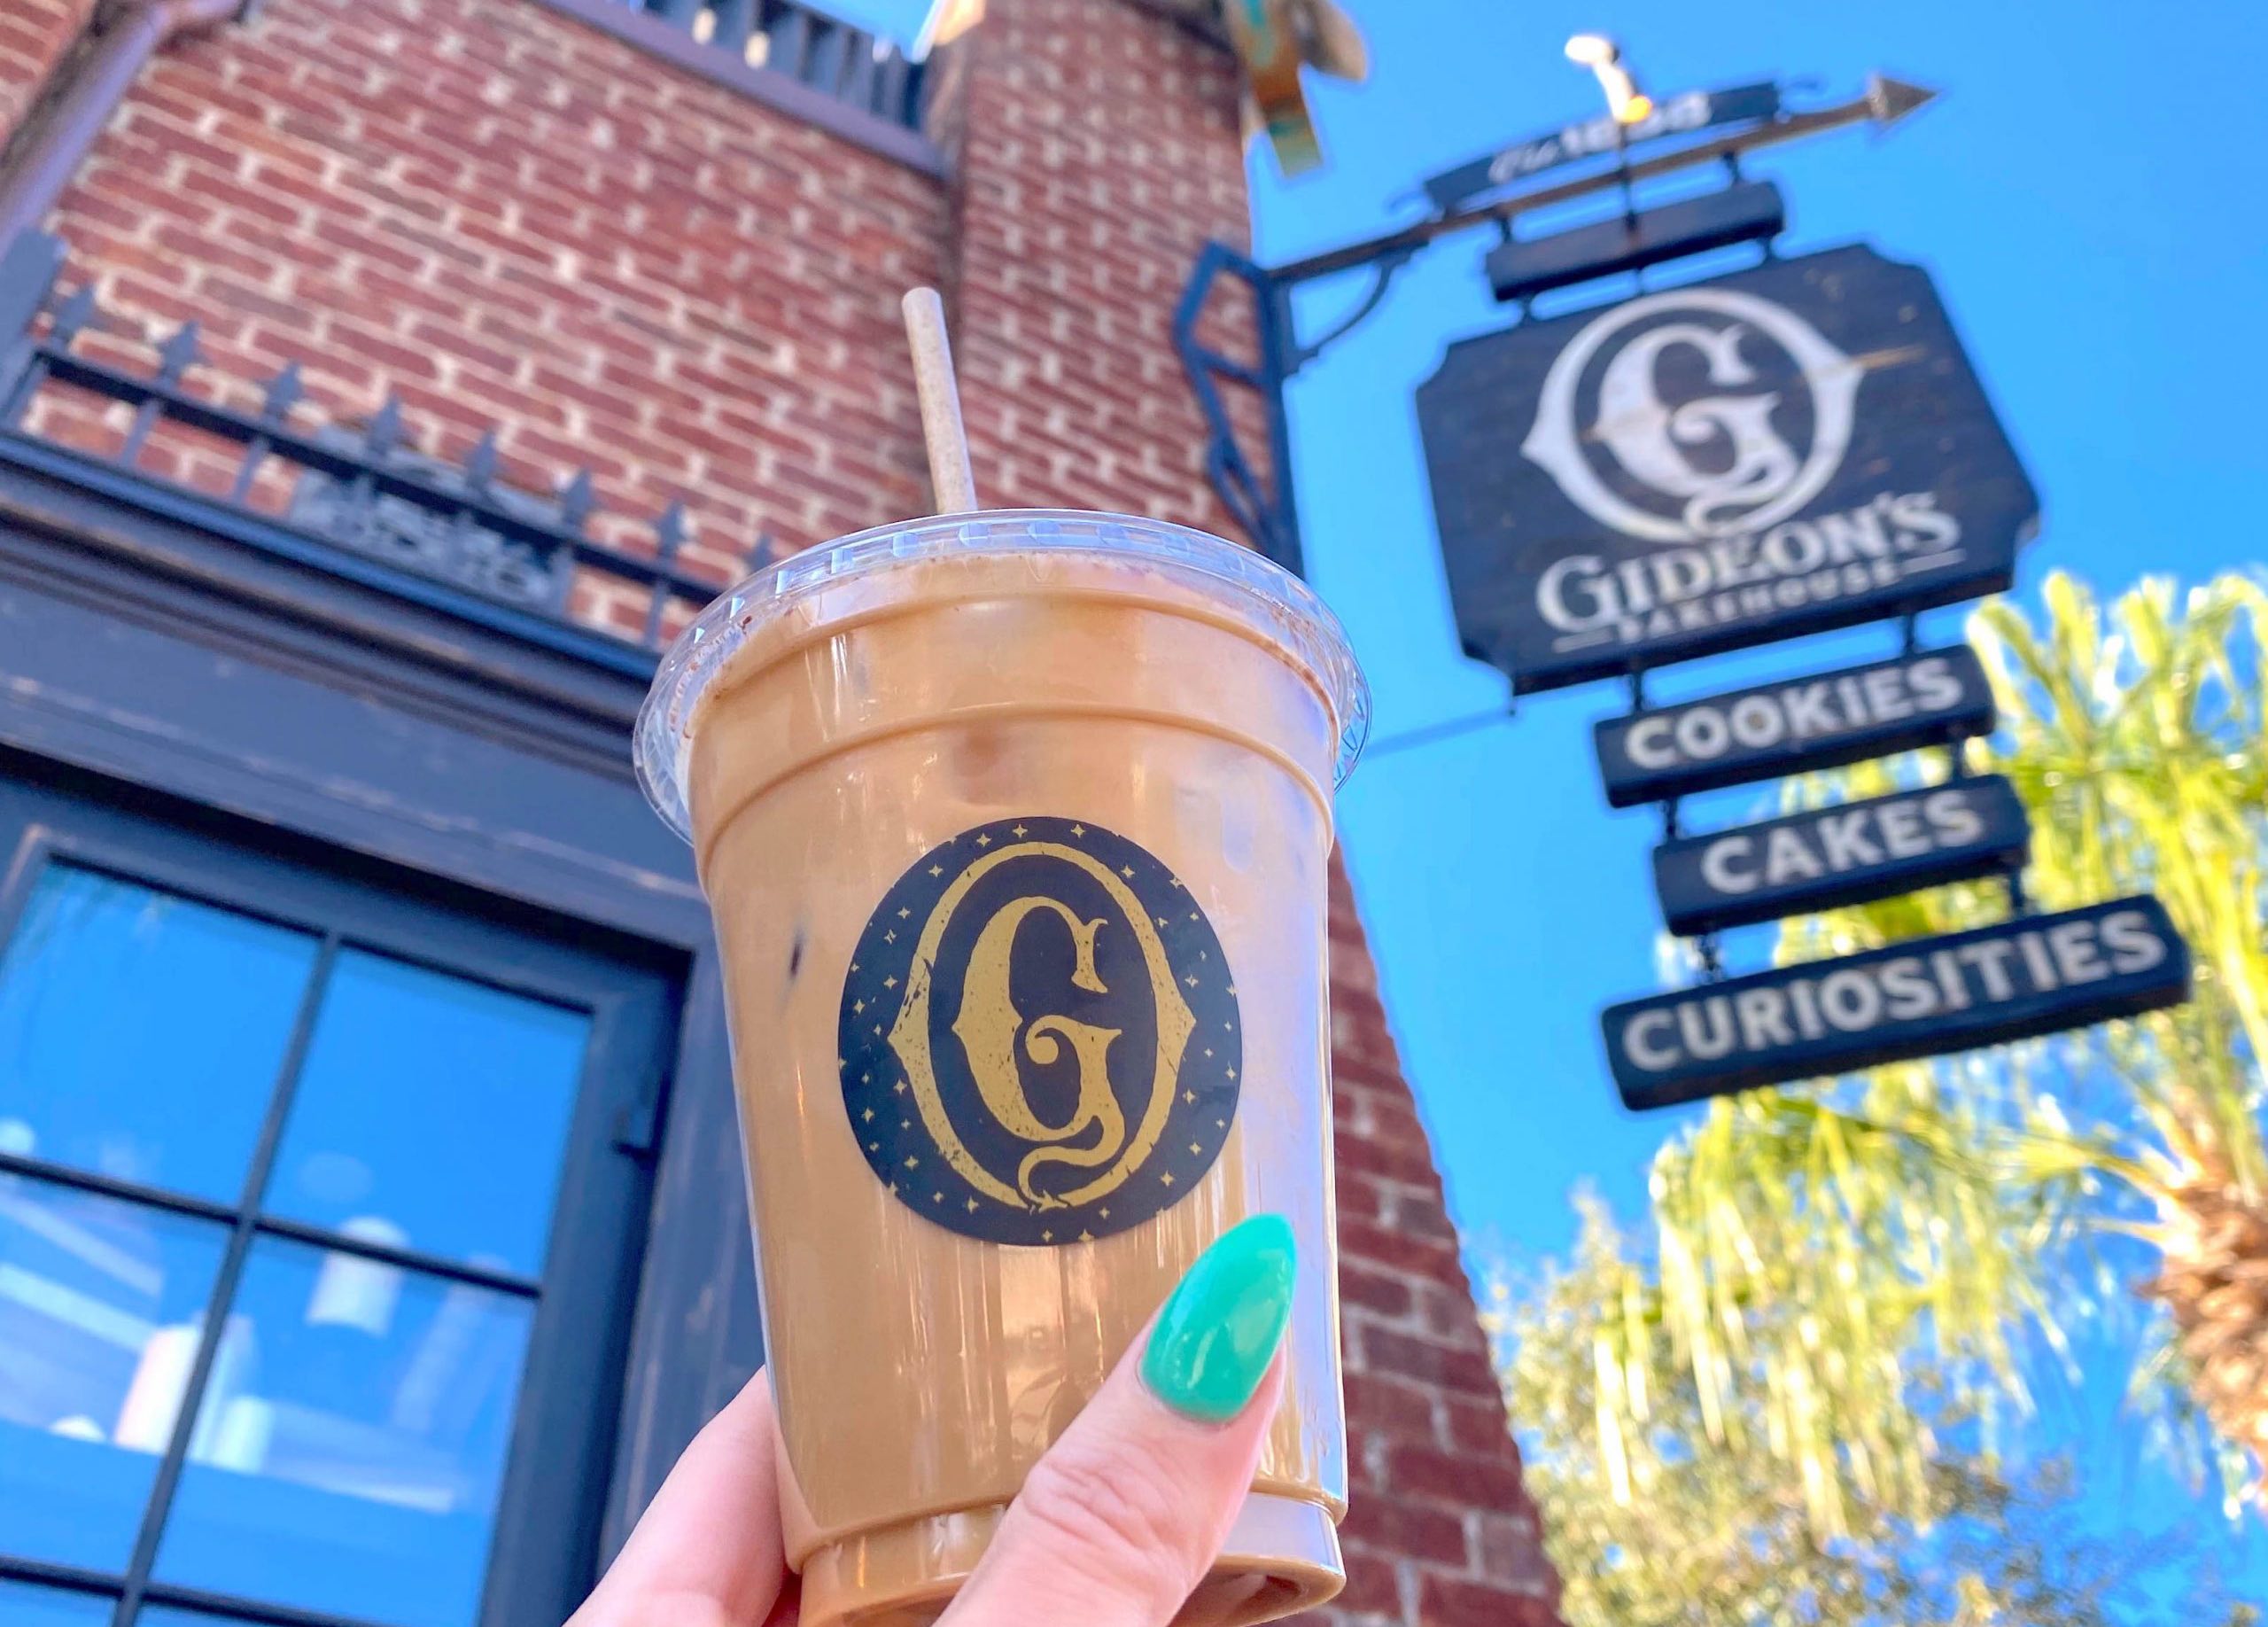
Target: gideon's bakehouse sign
1789,448
1738,461
2030,976
1848,854
1800,726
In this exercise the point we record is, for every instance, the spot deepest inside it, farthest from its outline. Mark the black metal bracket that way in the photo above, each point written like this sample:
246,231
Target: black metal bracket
1264,504
1261,502
1382,274
1266,507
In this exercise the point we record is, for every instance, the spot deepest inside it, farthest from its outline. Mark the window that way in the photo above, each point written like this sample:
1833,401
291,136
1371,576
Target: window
296,1322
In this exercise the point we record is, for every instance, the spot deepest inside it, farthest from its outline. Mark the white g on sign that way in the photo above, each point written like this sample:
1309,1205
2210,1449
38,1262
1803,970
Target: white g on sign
1747,476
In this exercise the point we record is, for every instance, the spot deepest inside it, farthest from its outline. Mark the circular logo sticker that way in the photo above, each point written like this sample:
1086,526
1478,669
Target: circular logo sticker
1039,1039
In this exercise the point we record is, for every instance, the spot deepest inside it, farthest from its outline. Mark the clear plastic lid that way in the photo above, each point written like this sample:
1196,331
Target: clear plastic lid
1233,577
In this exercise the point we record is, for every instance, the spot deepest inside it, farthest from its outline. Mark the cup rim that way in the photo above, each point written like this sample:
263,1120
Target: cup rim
1275,599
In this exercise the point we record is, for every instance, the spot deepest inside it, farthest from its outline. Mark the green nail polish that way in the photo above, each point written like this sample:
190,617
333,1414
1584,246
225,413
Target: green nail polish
1214,1338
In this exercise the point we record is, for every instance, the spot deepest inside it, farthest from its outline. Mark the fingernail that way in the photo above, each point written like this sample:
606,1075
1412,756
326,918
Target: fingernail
1212,1341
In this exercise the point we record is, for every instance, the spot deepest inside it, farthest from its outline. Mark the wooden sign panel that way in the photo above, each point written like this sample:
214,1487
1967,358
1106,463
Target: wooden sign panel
2030,976
1796,727
1824,858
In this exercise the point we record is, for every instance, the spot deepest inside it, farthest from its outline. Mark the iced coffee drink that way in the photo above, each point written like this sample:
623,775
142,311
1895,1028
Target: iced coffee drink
1016,826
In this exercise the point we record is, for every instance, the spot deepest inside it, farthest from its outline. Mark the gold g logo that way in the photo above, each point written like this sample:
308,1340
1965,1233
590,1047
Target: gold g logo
1039,1037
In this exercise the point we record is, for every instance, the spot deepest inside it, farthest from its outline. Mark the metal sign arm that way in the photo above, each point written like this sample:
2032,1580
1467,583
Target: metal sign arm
1383,271
1262,503
1884,102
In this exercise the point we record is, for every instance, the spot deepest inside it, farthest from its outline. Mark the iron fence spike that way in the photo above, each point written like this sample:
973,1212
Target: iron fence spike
177,354
385,432
576,501
480,466
284,392
72,315
670,531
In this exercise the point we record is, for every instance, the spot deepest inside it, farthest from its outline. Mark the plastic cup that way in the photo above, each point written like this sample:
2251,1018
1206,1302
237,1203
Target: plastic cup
1016,826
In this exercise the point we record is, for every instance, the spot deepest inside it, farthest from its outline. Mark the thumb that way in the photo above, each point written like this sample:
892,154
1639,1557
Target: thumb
1119,1522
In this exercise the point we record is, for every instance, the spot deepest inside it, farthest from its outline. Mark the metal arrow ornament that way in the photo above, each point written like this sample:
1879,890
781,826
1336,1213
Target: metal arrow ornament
1884,102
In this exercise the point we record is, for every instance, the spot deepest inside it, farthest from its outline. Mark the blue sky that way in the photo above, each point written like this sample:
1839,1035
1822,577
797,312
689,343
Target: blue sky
2072,194
2106,287
2077,194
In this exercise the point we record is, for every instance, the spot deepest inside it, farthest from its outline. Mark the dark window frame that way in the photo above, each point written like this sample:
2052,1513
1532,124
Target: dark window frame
161,662
550,1509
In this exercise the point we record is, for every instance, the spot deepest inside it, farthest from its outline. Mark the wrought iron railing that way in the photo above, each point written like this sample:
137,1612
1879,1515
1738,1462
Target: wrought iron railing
363,490
861,69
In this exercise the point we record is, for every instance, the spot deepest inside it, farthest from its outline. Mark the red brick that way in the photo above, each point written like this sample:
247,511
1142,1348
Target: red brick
397,359
35,35
1419,1256
1383,1292
1449,1316
1511,1553
1421,1215
1481,1428
1395,1161
1373,1586
1447,1602
1417,1530
1443,1477
1359,1199
1444,1366
1388,1405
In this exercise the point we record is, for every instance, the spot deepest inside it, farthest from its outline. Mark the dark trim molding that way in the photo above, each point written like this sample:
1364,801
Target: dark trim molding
1198,17
145,649
74,479
673,44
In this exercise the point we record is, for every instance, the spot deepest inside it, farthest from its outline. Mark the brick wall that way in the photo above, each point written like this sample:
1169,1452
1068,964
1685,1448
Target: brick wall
1440,1529
1098,151
505,216
34,35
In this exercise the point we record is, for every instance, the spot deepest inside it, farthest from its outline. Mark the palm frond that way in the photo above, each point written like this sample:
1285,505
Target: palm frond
1813,1248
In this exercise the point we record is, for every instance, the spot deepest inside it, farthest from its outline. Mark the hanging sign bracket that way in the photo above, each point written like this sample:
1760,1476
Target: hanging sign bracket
1261,498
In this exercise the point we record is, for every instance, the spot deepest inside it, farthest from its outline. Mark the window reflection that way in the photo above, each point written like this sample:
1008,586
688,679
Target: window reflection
140,1033
100,1305
346,1453
24,1604
435,1107
349,1453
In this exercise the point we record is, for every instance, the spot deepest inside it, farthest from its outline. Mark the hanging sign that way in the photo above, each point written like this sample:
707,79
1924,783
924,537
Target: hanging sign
1824,858
2033,975
1796,727
1675,115
1789,448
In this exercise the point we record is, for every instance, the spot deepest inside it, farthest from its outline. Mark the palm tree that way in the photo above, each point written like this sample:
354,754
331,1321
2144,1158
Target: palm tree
1719,1537
1861,1282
